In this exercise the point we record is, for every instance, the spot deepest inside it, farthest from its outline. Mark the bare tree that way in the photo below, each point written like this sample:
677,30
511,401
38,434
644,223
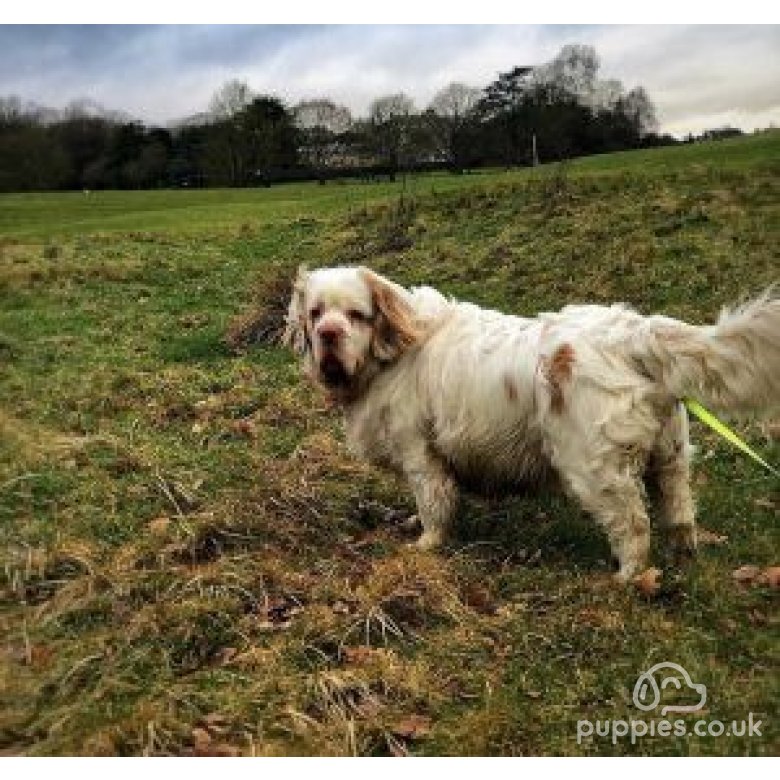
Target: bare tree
639,109
322,122
390,120
573,70
390,108
87,108
226,150
229,99
14,110
322,113
456,101
452,112
11,110
607,93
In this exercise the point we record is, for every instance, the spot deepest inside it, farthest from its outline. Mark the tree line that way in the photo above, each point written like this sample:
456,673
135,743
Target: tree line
529,114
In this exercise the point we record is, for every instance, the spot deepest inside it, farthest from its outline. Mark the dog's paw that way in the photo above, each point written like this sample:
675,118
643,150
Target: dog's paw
629,568
410,524
428,541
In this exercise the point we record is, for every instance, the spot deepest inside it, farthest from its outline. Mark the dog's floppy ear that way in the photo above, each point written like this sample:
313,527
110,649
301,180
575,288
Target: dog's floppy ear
295,334
396,327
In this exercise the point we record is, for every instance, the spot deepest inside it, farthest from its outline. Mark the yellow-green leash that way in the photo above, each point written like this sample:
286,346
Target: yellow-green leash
708,418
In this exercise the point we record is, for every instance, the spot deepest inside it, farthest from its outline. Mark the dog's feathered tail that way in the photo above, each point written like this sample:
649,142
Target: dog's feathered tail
732,366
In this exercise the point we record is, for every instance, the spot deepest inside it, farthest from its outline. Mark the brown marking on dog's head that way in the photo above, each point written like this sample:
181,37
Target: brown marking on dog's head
558,371
510,387
396,328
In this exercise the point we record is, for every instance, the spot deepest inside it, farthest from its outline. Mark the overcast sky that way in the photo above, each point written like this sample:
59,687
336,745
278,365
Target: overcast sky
698,76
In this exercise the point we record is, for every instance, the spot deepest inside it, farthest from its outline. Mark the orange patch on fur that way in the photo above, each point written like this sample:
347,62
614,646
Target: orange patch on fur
396,328
558,371
510,388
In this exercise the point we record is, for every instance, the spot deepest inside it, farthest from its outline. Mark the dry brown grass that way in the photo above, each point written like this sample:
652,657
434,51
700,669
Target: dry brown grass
263,320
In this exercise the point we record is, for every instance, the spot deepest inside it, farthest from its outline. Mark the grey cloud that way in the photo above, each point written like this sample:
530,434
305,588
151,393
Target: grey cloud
158,73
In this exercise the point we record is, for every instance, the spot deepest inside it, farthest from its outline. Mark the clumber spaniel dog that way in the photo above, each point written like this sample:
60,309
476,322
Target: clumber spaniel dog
447,393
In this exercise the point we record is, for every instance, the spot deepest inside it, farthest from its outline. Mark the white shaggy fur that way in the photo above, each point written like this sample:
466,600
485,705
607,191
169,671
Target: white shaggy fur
447,393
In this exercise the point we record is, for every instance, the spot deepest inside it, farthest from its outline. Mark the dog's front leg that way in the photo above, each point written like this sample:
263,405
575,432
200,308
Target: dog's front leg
436,495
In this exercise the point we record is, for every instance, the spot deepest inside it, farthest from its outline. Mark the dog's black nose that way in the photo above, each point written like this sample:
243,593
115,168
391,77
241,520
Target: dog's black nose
329,335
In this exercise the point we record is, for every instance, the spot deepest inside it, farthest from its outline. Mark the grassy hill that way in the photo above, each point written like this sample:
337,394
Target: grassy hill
193,564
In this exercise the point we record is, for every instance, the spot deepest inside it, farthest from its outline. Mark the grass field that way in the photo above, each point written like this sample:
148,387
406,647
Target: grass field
193,564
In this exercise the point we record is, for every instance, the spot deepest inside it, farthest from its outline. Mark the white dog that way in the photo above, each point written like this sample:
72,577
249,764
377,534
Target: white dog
447,393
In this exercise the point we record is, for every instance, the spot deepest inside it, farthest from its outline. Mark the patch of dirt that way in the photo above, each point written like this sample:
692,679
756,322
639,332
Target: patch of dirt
262,322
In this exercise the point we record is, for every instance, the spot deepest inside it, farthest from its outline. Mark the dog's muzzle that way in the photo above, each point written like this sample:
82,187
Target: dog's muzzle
333,372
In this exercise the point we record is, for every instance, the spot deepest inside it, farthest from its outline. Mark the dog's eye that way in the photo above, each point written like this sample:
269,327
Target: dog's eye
357,316
315,313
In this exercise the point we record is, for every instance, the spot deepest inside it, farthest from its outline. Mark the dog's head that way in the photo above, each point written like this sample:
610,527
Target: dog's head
348,322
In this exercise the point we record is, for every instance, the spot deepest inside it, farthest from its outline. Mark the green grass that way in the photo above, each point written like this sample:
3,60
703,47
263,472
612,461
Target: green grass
193,564
730,153
53,215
